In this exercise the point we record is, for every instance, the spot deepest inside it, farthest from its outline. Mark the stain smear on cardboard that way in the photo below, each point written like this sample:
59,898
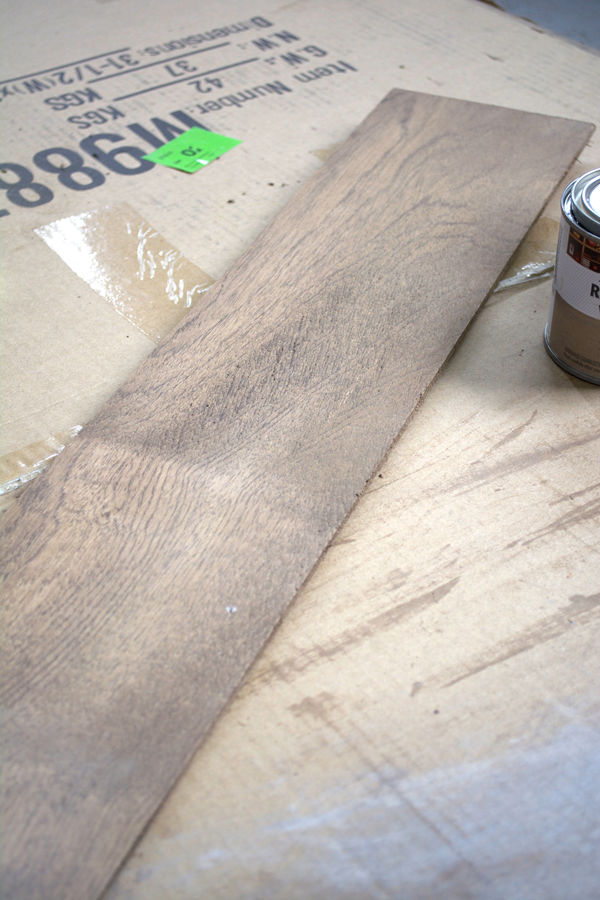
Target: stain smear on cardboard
580,610
323,153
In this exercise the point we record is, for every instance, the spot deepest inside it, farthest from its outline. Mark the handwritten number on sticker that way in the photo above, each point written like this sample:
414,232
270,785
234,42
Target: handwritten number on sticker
192,151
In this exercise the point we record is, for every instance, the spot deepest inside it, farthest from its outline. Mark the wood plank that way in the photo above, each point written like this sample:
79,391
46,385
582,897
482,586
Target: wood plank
147,568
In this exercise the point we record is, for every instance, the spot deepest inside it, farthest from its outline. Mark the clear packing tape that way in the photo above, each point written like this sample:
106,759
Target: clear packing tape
130,265
534,259
21,466
122,278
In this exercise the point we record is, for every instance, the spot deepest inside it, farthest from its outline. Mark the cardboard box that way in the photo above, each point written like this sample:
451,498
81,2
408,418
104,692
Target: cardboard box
425,719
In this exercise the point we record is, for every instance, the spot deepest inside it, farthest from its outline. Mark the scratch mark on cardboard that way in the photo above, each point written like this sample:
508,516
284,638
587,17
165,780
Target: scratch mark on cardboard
514,433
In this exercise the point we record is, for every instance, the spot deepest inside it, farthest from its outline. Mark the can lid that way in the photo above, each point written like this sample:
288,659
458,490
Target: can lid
585,201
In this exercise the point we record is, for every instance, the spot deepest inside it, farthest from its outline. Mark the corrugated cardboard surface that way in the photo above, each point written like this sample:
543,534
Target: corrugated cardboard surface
449,746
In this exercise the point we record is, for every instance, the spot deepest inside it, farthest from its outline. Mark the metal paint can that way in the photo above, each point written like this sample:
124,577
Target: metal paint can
572,334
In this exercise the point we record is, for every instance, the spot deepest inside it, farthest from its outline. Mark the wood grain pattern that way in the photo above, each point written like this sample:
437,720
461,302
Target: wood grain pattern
146,569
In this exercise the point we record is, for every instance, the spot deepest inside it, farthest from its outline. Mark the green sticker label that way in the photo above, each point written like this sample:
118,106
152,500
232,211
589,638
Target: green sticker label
193,150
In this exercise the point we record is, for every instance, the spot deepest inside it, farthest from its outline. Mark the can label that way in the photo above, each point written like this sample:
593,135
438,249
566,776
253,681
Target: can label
577,272
573,330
